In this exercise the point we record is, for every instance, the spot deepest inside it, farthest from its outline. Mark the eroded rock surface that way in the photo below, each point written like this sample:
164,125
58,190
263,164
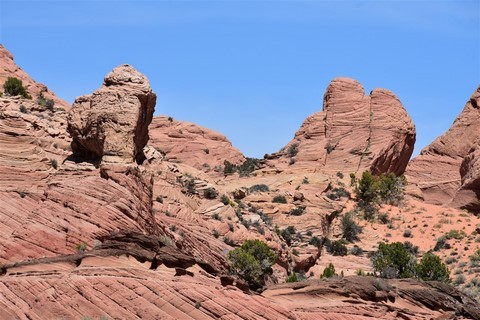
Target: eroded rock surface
112,123
447,171
191,144
354,132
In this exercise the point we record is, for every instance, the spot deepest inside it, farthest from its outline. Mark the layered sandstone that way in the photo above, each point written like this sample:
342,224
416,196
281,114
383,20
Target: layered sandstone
447,170
112,123
191,144
354,132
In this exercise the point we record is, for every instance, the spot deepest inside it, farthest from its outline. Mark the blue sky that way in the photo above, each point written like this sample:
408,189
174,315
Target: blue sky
254,70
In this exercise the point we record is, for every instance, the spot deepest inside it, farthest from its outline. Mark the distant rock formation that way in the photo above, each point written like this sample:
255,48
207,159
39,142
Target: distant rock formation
191,144
8,68
447,171
112,123
354,132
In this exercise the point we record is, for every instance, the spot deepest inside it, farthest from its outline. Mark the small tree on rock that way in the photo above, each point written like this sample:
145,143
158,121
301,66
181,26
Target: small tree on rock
14,87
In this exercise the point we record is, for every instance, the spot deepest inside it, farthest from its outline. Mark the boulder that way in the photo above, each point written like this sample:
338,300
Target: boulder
354,132
112,123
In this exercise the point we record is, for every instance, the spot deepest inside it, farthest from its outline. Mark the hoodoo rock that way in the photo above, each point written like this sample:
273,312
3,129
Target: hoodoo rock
354,132
447,171
112,123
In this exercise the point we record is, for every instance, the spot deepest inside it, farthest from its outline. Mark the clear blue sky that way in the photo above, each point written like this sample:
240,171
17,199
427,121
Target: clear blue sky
254,70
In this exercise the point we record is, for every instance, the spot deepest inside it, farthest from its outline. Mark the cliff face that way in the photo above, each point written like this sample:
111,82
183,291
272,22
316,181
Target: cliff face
446,171
354,132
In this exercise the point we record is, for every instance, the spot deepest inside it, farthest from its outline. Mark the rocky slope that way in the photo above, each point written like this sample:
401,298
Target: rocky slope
353,133
193,145
446,171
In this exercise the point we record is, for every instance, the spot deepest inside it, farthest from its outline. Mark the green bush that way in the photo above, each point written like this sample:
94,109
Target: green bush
248,166
252,262
336,247
228,168
297,211
286,234
432,268
329,271
394,261
210,193
259,188
293,150
292,278
390,188
225,199
279,199
14,87
350,228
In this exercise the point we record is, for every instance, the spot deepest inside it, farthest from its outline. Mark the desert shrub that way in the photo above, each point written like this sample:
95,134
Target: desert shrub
350,228
338,193
394,261
248,166
259,188
228,241
252,262
440,244
228,168
224,199
431,268
315,241
297,211
476,256
383,218
210,193
329,271
287,233
455,234
340,175
356,251
190,185
279,199
159,199
336,247
367,189
460,279
292,278
407,233
411,248
329,147
14,87
305,180
23,109
390,188
54,163
215,233
292,150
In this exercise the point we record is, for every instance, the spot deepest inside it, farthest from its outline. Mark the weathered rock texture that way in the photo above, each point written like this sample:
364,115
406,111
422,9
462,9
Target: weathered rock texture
354,132
112,123
188,143
8,68
447,171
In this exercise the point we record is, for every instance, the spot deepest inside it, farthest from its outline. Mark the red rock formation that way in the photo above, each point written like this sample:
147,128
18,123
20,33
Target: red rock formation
8,68
446,171
354,132
112,123
188,143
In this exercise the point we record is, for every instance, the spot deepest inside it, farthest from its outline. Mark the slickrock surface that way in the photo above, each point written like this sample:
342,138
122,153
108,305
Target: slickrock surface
446,171
8,68
188,143
112,123
354,132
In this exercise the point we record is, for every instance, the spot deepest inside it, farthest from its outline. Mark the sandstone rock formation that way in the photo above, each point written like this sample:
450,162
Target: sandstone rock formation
8,68
188,143
447,170
354,132
112,123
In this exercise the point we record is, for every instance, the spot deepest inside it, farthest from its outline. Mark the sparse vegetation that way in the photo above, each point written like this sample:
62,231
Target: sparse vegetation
350,228
292,150
259,188
297,212
14,87
279,199
54,164
210,193
336,247
329,271
252,262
